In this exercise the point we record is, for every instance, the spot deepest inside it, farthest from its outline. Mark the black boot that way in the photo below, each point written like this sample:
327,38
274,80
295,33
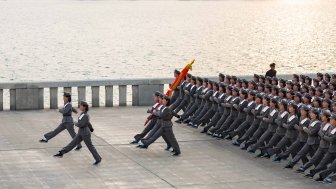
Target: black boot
60,154
97,162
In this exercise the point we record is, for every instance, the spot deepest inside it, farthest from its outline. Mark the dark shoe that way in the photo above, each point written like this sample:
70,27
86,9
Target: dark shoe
190,123
176,153
300,170
309,175
179,121
203,131
327,180
228,137
251,150
276,159
236,143
142,146
43,140
318,179
78,148
289,166
168,148
203,124
60,154
266,155
134,142
185,121
195,126
97,162
259,155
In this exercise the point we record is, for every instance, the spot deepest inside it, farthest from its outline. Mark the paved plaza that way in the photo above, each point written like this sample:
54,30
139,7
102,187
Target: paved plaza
204,163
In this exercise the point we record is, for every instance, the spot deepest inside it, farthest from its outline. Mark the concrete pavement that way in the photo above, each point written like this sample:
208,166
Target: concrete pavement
204,163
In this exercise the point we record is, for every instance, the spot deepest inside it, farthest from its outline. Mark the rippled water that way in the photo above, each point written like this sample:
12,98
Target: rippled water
65,40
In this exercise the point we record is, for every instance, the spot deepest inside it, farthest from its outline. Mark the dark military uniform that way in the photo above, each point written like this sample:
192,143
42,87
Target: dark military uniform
219,112
196,103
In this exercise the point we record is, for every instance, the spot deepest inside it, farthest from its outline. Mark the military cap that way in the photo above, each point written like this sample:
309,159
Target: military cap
261,85
275,79
296,84
284,102
229,87
305,108
253,82
210,82
298,94
275,87
318,99
193,78
319,89
311,88
305,86
177,72
293,104
259,95
295,76
274,100
326,113
66,94
328,92
319,74
266,97
308,96
236,89
282,81
244,81
161,95
189,75
327,75
315,111
256,76
289,83
206,80
268,86
308,78
221,75
83,103
228,77
302,76
283,90
222,85
333,116
333,75
327,101
166,97
253,92
272,64
239,80
244,92
291,92
157,93
316,80
200,79
234,77
262,77
215,83
324,82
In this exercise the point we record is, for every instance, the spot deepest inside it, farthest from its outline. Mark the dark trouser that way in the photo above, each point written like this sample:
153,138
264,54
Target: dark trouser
281,146
293,149
146,130
328,158
249,133
331,169
190,111
213,121
201,114
220,122
256,135
302,154
174,105
167,132
182,106
60,128
226,124
153,135
76,141
316,159
198,111
263,139
272,142
241,129
205,118
235,124
174,97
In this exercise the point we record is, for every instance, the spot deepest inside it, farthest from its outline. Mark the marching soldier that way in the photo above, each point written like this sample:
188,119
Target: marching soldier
331,154
67,121
323,146
176,91
84,134
152,120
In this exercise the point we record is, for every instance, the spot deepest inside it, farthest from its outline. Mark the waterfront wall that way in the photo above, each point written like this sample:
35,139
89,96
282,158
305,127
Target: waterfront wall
30,95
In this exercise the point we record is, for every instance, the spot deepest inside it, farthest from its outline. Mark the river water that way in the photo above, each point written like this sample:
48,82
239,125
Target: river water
71,40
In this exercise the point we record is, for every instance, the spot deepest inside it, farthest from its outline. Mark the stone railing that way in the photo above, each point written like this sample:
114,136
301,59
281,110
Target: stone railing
31,95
